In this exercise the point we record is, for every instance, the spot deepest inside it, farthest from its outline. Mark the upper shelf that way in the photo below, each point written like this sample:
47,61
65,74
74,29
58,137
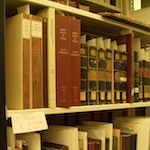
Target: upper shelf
96,6
100,26
78,109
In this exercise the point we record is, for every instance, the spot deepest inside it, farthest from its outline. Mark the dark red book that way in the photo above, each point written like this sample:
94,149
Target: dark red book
63,61
75,61
128,40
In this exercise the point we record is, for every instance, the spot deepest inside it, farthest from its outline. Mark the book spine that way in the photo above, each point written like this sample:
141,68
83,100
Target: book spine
63,62
51,58
26,61
84,72
45,66
92,73
75,61
36,62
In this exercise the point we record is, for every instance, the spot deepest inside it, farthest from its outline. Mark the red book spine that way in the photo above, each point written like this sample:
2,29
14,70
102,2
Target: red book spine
63,61
75,61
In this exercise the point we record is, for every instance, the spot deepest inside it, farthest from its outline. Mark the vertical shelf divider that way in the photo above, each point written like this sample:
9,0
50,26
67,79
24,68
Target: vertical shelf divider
3,143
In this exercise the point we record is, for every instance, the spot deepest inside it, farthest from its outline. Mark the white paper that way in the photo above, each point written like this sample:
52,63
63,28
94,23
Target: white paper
28,122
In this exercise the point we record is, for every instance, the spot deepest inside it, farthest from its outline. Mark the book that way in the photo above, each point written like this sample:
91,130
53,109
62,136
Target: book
75,28
33,140
94,132
63,61
108,130
10,137
135,125
82,136
84,70
128,39
60,134
116,135
17,62
36,62
49,13
101,60
137,47
92,72
45,62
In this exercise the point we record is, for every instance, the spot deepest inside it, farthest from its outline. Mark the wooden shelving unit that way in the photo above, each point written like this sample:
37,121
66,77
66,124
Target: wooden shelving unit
100,26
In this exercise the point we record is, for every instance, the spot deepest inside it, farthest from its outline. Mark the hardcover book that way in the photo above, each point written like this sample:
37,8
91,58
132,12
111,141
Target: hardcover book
75,61
63,61
17,61
36,62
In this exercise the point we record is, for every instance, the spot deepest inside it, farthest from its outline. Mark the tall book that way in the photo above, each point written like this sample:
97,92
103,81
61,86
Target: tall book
101,60
128,39
75,61
92,72
17,61
45,64
137,47
83,70
63,61
36,62
49,13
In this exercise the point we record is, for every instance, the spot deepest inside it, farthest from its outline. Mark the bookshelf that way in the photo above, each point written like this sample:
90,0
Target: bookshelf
97,5
100,25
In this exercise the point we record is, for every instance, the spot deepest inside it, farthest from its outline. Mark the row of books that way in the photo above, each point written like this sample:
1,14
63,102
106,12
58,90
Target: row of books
106,69
84,6
48,64
125,133
141,72
43,60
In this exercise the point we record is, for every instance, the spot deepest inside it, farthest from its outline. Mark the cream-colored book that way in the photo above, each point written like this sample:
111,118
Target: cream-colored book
49,13
143,140
10,138
17,61
108,129
66,135
82,137
116,133
94,132
32,139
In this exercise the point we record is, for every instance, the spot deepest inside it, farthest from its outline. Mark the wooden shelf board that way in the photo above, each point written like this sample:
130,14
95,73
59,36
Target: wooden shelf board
78,109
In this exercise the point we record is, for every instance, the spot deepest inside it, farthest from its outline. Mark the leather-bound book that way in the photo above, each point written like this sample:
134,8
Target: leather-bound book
63,61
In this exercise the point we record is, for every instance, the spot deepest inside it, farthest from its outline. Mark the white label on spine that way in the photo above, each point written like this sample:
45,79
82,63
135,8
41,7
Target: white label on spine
82,96
36,29
108,95
124,95
118,95
26,28
28,122
136,90
102,95
93,95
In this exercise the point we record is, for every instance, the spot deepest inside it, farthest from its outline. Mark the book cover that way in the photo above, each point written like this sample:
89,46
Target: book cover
17,62
36,62
63,61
